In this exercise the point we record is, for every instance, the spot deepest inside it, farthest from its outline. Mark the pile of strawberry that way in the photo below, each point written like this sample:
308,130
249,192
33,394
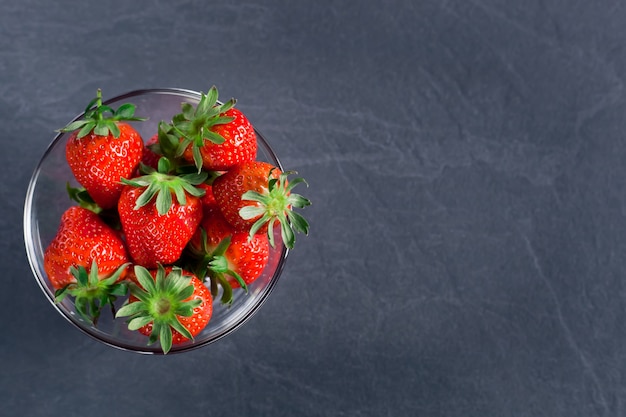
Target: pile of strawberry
169,222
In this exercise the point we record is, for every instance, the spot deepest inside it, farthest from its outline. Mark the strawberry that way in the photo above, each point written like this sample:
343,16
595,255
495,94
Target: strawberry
229,257
255,195
207,199
169,305
158,229
86,260
149,156
214,136
82,238
102,150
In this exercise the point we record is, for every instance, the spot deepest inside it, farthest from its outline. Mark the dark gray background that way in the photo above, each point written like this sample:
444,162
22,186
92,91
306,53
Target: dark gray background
466,161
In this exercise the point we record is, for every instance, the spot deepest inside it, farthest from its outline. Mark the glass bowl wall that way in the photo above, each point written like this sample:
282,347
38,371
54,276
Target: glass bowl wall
47,199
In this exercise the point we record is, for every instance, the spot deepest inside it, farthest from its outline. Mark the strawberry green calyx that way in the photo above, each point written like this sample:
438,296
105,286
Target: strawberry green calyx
91,293
194,124
82,197
84,200
275,205
214,265
169,146
168,143
162,185
96,121
160,301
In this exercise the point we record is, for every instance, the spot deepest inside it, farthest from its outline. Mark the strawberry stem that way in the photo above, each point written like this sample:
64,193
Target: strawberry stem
99,104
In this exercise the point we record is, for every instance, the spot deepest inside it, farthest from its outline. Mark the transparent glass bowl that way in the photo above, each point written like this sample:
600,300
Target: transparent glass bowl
47,199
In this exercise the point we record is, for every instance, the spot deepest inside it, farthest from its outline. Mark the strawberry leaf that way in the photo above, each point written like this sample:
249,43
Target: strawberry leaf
138,322
145,279
86,129
101,129
197,157
74,125
298,201
213,137
286,233
251,212
177,325
125,111
179,191
147,195
227,289
82,197
187,111
298,222
163,201
131,309
112,127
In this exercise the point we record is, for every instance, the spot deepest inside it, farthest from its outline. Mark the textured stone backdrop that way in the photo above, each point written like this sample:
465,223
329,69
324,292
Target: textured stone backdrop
466,167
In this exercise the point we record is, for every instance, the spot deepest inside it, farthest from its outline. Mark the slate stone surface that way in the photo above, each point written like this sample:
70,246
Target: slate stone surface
466,161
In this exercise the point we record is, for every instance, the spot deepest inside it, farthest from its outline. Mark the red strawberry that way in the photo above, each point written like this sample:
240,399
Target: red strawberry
86,260
207,199
227,256
158,229
102,150
82,238
149,156
254,195
215,136
169,305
